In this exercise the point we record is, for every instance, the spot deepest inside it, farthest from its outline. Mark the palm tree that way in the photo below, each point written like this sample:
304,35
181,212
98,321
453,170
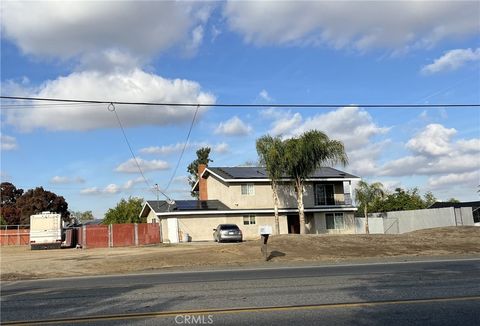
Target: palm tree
303,155
270,151
366,194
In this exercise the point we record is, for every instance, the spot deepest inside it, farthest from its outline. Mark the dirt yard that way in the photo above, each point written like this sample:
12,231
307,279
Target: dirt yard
19,262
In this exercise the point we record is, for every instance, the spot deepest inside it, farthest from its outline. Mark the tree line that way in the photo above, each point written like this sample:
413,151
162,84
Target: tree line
17,205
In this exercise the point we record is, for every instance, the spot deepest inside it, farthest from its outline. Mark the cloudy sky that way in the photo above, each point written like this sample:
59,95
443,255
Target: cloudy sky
236,52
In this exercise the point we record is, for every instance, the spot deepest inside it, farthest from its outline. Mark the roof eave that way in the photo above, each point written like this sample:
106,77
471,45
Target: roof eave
257,211
143,208
194,188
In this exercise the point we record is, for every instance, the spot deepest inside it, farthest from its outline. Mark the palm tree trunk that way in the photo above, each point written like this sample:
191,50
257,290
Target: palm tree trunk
367,230
275,207
301,212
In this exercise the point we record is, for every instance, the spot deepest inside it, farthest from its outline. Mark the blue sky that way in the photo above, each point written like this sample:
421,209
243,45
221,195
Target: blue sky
226,52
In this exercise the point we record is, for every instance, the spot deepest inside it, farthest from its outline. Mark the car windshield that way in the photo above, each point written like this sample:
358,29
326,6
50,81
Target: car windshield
228,227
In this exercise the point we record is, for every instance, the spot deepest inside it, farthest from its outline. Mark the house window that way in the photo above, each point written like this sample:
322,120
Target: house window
324,194
249,219
248,190
335,221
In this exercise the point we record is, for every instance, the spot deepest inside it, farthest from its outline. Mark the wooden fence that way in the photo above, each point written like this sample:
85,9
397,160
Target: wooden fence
93,236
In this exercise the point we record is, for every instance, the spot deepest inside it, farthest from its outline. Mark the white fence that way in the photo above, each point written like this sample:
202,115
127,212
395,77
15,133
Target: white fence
407,221
375,225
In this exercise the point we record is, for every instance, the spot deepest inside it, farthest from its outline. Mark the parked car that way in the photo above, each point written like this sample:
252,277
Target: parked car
227,232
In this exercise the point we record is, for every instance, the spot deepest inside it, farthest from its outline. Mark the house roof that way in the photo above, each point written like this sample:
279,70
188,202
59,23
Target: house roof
439,204
253,172
162,206
259,174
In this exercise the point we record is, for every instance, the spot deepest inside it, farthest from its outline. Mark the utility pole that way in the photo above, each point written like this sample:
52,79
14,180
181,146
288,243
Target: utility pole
157,189
170,201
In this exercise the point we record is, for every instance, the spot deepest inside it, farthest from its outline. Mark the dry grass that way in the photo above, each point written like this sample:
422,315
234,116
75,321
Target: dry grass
22,263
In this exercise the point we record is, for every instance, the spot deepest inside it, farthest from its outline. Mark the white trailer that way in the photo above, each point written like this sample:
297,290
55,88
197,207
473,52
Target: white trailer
46,231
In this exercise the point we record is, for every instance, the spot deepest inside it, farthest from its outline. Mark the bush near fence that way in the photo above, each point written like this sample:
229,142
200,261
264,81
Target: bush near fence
93,236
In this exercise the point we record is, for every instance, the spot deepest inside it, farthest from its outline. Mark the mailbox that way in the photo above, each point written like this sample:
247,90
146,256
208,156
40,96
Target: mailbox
265,230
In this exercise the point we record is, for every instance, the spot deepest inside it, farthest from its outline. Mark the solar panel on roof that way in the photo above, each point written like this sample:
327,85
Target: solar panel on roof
260,173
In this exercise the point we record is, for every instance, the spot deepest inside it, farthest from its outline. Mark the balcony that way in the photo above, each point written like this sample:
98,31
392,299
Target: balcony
335,200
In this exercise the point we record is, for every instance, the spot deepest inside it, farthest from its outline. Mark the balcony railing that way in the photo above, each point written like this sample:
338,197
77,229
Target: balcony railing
347,200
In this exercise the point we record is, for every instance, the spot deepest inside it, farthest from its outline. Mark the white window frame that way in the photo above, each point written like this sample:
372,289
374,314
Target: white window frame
335,215
249,219
247,189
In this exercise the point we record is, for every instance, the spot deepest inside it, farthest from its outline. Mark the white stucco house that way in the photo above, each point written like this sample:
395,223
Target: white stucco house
243,196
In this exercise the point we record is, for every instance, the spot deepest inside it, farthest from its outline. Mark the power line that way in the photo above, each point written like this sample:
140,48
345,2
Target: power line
183,149
241,105
111,108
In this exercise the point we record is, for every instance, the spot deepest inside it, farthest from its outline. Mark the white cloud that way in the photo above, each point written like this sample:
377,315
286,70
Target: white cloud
196,40
130,183
363,160
469,146
73,28
111,189
8,143
353,126
90,191
233,127
435,153
455,179
164,150
66,180
181,179
5,177
343,24
130,166
221,148
133,85
433,140
215,32
452,60
286,124
265,96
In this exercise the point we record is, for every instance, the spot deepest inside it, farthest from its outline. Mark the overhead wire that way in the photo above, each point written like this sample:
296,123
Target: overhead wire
183,149
242,105
111,108
76,103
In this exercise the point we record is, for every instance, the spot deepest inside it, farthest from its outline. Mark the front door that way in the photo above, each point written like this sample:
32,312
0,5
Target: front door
293,222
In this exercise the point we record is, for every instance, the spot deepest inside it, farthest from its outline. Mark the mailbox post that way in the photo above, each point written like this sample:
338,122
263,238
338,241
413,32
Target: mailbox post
265,231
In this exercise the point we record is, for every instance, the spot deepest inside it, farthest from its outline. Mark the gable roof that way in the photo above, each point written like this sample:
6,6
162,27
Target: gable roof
259,174
162,206
439,204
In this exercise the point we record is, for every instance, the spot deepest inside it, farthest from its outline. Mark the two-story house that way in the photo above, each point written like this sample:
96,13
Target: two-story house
243,196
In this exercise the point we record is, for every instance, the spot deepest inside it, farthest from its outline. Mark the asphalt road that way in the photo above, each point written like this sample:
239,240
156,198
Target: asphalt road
409,293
